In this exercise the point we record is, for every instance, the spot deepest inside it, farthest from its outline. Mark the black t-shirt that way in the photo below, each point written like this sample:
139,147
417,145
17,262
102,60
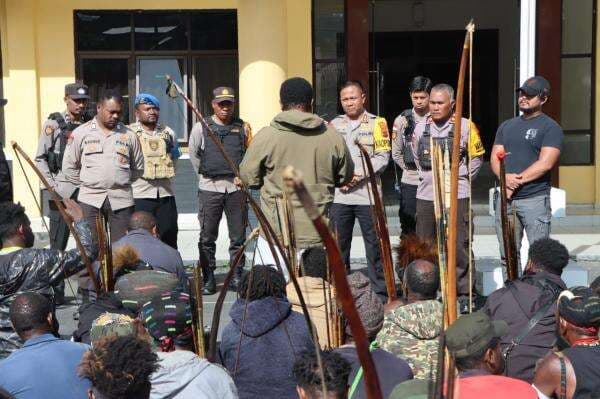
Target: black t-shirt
523,140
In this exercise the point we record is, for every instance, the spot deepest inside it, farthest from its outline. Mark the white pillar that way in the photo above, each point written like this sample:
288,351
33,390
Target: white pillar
527,40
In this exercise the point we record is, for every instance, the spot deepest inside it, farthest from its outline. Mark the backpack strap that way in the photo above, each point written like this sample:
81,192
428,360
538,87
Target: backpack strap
563,375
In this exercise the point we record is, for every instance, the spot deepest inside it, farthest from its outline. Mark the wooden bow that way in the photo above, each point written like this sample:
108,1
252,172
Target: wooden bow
453,214
381,228
508,235
334,257
173,90
57,200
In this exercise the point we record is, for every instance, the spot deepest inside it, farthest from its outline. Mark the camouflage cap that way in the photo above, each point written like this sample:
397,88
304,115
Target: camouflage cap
472,333
111,324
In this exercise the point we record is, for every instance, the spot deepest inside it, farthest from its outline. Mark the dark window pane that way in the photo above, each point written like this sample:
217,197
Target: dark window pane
329,29
160,31
103,30
103,74
212,72
328,78
577,149
214,30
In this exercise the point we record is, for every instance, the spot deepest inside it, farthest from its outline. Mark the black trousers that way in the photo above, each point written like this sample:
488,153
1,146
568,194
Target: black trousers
426,229
117,220
59,237
211,206
407,210
164,211
343,217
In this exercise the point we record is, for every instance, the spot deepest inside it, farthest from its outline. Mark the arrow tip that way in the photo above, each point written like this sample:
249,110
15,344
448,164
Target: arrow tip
471,26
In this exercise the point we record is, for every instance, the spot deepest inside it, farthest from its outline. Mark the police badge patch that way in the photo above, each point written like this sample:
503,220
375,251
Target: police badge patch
49,130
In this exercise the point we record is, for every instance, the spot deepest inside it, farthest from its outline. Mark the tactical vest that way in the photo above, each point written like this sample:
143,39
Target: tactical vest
424,146
232,136
55,158
409,157
157,158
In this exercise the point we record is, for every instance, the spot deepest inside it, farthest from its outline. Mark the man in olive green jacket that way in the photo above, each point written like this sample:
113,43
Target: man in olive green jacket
299,138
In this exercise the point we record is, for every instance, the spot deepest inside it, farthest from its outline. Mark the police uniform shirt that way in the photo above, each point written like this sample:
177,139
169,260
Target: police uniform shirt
51,134
152,188
400,146
105,165
425,189
372,132
220,184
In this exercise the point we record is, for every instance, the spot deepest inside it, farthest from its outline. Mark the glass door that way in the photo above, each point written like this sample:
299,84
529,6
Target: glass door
151,79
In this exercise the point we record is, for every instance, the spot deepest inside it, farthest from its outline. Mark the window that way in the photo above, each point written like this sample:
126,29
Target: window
133,51
329,55
578,81
2,132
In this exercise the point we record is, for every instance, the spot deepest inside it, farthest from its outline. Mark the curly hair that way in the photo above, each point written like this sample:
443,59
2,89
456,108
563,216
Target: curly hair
549,254
335,370
120,367
261,282
11,217
412,248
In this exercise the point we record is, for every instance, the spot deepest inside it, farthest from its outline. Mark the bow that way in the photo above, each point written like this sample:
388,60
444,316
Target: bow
57,200
380,226
453,214
508,238
105,254
293,179
173,90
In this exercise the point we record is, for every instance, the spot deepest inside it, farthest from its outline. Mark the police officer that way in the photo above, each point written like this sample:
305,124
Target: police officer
352,201
6,193
56,133
218,189
440,127
104,158
402,133
152,192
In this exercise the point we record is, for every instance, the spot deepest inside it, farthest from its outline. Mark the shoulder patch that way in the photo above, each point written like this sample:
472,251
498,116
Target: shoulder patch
49,130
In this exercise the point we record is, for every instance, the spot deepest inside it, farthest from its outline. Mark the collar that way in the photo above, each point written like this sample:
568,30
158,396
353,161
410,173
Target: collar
95,126
419,117
8,250
140,231
473,373
38,339
138,127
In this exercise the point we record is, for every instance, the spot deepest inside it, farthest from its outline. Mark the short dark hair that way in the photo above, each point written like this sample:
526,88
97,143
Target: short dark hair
120,367
260,282
420,83
423,278
595,286
141,220
295,91
314,263
355,83
549,254
11,217
110,94
474,360
29,311
336,370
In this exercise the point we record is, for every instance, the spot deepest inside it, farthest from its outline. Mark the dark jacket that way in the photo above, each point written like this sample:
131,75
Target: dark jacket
271,333
6,191
155,252
516,304
88,312
38,270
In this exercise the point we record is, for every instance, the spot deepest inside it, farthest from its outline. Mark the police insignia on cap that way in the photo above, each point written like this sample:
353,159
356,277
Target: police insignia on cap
81,90
225,92
49,130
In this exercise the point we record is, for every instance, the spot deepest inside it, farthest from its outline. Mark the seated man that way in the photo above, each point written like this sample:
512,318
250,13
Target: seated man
391,370
257,346
573,372
474,342
335,372
531,297
315,290
46,366
412,331
181,373
143,236
24,268
119,367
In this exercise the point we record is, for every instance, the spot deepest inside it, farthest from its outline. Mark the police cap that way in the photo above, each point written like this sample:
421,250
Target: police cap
223,94
77,91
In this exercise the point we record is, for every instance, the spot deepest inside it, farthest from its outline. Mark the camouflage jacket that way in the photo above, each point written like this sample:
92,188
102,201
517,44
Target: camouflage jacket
36,269
411,332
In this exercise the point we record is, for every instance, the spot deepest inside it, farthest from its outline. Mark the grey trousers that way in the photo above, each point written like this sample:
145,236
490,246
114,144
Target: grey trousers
532,214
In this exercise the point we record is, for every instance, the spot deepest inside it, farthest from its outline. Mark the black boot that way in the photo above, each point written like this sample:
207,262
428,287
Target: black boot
210,285
237,279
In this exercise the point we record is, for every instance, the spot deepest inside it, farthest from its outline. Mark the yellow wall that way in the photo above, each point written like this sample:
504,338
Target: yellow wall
39,58
579,182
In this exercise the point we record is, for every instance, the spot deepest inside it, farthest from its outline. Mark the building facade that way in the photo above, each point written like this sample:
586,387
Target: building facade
253,45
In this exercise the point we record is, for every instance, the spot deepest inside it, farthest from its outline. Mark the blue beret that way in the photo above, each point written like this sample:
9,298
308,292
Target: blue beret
144,98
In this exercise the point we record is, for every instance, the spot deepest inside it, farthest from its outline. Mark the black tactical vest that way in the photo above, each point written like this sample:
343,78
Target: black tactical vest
55,158
409,157
424,146
233,138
